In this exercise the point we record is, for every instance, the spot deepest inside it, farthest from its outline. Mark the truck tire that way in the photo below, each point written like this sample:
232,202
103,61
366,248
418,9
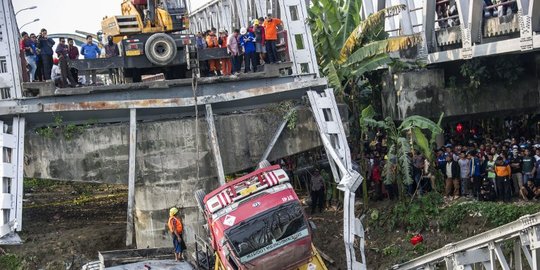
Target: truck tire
199,197
160,49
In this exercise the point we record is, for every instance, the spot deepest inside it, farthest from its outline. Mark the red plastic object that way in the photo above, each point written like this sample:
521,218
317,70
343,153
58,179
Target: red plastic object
417,239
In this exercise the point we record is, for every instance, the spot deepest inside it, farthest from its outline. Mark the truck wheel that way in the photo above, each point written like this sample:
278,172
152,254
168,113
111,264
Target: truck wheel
199,197
160,49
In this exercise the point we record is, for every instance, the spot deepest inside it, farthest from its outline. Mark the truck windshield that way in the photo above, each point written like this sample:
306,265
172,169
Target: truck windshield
268,231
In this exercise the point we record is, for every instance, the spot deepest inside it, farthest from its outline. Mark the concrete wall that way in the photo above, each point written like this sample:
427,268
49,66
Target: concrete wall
424,93
166,161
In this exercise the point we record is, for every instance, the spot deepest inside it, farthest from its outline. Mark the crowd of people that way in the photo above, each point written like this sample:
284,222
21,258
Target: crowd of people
254,46
447,11
487,170
45,62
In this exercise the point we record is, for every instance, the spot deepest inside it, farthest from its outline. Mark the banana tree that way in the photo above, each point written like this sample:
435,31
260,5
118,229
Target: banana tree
411,133
348,47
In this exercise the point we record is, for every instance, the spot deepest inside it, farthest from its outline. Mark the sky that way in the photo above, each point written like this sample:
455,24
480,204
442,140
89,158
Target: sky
66,16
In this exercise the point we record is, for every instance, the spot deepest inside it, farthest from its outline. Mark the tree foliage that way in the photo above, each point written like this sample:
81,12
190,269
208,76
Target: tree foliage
347,47
412,133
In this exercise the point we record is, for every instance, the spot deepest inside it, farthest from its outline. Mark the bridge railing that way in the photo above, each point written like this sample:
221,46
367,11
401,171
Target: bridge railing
462,29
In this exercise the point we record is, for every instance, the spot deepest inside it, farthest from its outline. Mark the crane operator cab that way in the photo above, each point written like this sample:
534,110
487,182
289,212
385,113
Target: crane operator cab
177,10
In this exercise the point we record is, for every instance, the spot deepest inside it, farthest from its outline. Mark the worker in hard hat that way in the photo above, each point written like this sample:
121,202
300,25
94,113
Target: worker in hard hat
176,228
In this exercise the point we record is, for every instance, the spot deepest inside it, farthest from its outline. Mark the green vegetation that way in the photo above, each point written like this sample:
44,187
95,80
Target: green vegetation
68,131
32,184
412,134
494,213
348,47
429,212
10,262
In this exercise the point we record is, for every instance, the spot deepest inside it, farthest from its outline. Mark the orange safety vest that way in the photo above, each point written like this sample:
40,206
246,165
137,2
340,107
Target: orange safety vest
502,171
270,28
212,41
178,228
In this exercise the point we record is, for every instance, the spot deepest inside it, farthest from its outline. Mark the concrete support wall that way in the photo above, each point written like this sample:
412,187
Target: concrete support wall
424,93
166,161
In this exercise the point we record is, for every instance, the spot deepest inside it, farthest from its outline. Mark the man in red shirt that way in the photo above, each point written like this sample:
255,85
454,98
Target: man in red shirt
73,53
271,29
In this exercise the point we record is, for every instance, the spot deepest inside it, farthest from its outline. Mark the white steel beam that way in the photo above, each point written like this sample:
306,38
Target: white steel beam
214,142
131,176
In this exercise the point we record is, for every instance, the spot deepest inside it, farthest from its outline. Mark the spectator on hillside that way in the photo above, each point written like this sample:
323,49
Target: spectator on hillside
73,55
247,41
503,174
490,169
90,51
465,173
487,191
529,191
45,45
452,174
234,51
516,166
271,36
528,168
476,173
63,55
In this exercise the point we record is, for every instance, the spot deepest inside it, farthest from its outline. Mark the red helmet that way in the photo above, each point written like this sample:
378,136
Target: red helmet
56,61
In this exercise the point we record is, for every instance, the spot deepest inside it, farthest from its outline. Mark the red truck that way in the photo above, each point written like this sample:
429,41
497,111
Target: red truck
258,222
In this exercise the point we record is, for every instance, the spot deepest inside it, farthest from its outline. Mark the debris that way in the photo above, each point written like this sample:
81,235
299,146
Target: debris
325,257
417,239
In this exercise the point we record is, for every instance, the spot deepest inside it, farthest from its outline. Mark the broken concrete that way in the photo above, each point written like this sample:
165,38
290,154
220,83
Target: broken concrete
167,161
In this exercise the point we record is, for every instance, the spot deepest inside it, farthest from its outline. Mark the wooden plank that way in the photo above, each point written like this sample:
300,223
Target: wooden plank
131,175
212,134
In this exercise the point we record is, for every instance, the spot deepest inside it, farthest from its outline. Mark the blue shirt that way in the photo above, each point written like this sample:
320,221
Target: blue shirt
475,167
90,51
248,42
45,45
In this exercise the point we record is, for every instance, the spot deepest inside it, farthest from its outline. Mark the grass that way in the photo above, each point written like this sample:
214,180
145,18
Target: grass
10,262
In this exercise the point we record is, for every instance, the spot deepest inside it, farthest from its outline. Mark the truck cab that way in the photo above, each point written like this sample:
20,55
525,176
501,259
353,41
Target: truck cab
258,222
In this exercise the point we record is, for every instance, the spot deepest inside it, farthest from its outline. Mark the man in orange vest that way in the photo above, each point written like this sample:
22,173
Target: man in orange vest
176,228
271,36
212,41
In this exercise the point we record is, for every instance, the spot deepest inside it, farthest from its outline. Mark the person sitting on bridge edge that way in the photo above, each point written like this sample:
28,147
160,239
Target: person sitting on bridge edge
90,51
212,41
271,31
247,41
176,229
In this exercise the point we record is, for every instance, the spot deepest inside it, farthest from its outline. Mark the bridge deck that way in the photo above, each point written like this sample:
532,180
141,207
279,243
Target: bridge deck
160,99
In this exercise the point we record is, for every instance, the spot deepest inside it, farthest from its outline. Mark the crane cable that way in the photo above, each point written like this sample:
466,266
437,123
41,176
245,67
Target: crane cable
194,84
